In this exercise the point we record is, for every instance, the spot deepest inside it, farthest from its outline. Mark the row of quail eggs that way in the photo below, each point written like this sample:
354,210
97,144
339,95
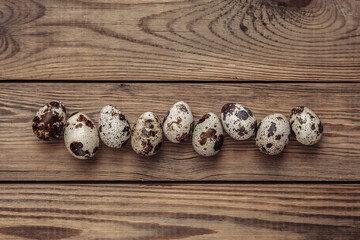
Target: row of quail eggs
82,137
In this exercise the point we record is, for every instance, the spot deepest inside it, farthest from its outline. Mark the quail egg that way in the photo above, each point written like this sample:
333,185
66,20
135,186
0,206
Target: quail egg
147,135
114,128
273,134
238,121
208,135
49,122
81,136
306,125
178,123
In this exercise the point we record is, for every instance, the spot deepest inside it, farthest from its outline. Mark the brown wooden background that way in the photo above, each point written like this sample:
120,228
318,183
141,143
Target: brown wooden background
144,55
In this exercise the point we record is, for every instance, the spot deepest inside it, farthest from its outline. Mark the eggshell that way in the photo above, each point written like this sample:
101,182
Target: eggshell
208,135
49,122
306,125
238,121
178,123
147,134
81,136
114,128
273,134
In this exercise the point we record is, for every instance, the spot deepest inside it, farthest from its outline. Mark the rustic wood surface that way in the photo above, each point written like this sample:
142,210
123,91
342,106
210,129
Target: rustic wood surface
201,211
336,157
232,40
145,55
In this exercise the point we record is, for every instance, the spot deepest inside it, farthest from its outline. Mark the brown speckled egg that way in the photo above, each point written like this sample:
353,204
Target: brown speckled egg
81,136
114,128
49,122
208,135
273,134
147,135
178,123
306,125
238,121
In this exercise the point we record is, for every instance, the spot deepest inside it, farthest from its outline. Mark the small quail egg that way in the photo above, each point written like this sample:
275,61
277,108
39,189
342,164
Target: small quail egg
81,136
49,122
114,128
208,135
273,134
178,123
147,135
306,125
238,121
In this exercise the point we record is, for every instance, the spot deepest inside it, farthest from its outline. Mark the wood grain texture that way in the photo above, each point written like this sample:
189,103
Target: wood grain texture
234,40
155,212
336,157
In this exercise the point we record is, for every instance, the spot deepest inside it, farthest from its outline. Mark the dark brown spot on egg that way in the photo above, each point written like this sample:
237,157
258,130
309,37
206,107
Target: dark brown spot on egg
182,137
79,125
243,115
122,117
81,118
89,124
166,116
74,114
313,126
183,108
269,145
301,120
209,134
297,110
100,128
249,111
279,118
219,142
147,133
126,130
278,137
95,150
272,129
76,148
148,123
228,109
206,116
147,146
241,131
321,128
264,150
55,104
67,124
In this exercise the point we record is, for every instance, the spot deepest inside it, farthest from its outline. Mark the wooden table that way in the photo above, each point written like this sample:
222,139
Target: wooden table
144,55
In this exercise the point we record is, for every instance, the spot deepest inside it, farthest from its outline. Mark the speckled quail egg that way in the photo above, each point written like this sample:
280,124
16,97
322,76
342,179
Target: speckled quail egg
306,125
273,134
147,134
208,135
81,136
178,123
114,128
49,122
238,121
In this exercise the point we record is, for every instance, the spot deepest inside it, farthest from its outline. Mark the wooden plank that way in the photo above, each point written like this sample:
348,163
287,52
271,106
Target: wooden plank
157,212
265,40
336,157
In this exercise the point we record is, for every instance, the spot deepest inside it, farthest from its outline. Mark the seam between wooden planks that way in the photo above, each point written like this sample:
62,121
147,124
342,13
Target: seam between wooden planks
181,182
178,82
